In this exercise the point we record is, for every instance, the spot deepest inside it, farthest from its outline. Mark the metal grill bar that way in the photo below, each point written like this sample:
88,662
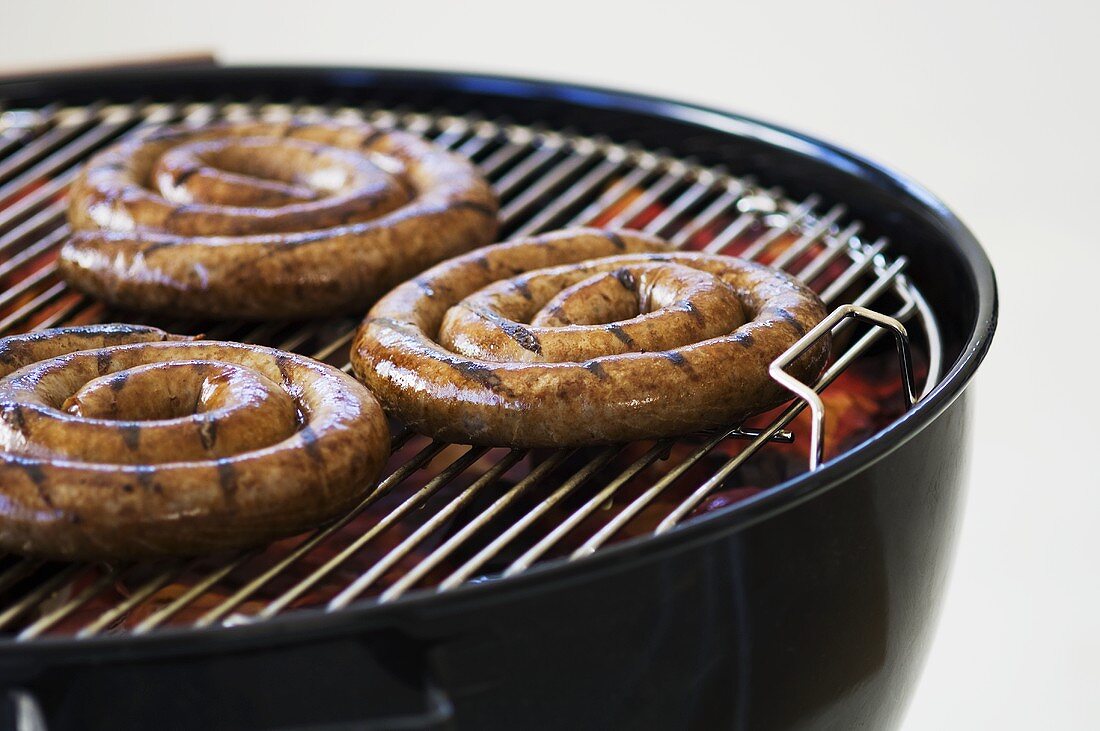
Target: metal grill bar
18,571
48,620
611,164
313,579
36,595
814,269
731,192
512,531
433,559
616,524
59,166
106,619
436,557
285,599
49,215
197,589
808,239
544,179
27,284
34,305
358,586
549,181
674,175
65,127
395,478
449,473
602,497
644,166
794,218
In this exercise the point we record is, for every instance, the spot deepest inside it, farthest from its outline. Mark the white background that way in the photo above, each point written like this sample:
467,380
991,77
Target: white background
992,105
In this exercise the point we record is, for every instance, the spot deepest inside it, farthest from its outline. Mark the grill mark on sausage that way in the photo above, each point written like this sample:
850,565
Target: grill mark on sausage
103,362
615,239
371,137
521,286
424,287
526,339
37,475
208,433
8,354
483,262
479,373
626,278
131,435
13,416
791,320
284,363
595,369
186,175
309,443
145,476
118,381
476,206
619,333
744,339
558,312
181,210
689,307
227,477
676,359
155,246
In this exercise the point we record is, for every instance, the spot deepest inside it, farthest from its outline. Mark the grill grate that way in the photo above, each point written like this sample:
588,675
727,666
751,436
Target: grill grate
444,514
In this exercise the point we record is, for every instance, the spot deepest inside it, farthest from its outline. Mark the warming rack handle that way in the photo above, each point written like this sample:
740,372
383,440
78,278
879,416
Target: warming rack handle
810,395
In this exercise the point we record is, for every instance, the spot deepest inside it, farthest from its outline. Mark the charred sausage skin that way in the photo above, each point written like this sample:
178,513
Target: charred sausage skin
124,442
269,220
584,337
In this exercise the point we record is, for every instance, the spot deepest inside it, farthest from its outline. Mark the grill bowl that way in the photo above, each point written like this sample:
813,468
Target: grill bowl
809,604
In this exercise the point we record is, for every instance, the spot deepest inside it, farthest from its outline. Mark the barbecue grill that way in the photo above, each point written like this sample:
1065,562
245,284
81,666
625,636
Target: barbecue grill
780,572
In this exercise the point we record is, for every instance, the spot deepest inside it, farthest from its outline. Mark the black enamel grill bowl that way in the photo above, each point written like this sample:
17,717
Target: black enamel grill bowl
808,605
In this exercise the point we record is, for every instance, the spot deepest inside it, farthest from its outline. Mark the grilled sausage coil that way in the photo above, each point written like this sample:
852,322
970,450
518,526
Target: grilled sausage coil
119,441
584,336
269,220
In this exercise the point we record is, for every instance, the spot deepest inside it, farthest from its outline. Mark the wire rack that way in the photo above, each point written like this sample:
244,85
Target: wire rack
446,514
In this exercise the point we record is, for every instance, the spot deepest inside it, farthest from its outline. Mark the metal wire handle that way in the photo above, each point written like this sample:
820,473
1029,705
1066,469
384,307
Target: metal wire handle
810,394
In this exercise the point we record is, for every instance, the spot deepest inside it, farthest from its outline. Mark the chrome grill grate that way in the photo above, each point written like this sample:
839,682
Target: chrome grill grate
443,514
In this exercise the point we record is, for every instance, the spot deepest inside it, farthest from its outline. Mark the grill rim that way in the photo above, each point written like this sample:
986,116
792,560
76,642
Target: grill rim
309,623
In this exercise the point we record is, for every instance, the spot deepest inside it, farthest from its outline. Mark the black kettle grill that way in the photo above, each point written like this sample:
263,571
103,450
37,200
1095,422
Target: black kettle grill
703,584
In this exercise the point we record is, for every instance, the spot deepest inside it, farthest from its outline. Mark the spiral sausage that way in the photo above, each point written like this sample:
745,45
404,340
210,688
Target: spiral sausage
119,441
269,220
584,337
